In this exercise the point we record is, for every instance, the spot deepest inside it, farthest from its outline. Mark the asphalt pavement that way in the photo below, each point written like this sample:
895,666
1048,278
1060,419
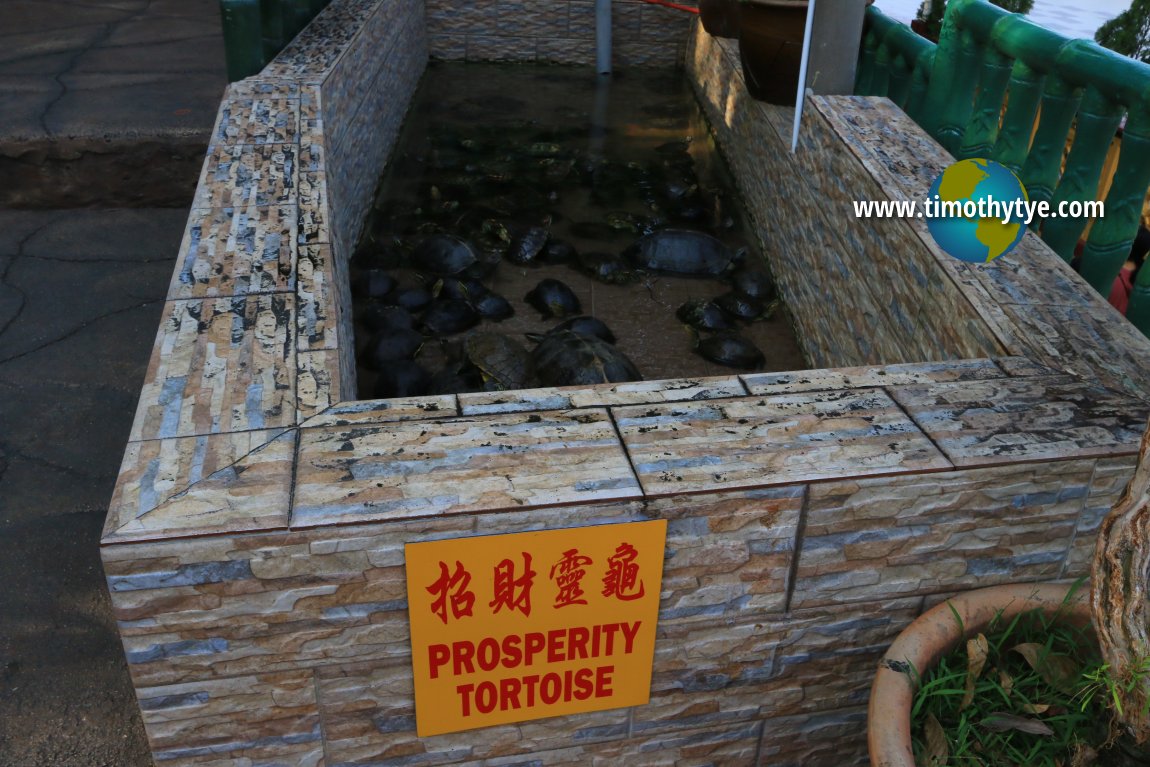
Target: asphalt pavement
105,111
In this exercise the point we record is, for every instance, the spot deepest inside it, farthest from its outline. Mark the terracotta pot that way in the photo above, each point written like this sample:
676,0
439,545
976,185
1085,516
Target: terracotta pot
720,17
771,47
935,633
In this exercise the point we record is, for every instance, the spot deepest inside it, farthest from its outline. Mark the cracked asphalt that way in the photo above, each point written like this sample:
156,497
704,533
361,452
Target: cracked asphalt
105,107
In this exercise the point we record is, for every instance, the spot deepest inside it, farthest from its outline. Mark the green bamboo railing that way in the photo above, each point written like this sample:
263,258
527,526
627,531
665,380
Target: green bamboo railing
256,30
988,60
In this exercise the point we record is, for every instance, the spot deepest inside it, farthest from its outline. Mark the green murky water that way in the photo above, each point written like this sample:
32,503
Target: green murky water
509,157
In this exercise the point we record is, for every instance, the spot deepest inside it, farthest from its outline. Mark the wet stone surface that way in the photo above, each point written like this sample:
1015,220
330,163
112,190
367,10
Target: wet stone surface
521,196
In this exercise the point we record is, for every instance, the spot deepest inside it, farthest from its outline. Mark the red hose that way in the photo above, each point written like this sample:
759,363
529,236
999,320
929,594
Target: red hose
676,6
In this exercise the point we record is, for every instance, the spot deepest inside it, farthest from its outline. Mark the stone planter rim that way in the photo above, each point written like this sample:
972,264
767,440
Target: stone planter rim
932,635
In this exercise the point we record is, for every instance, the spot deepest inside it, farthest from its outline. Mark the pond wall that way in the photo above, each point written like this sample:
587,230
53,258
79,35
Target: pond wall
558,31
254,544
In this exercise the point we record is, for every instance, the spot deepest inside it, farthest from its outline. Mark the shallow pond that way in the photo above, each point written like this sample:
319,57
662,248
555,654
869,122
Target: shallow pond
507,157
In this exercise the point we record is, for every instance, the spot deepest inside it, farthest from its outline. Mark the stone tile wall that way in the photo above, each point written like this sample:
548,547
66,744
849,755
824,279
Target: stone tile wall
557,31
254,544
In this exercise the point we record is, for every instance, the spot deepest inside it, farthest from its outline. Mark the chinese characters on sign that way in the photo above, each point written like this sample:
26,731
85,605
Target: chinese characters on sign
509,628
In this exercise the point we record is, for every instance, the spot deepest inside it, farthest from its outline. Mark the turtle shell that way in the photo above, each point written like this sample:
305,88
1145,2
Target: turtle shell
449,316
755,283
387,347
443,254
492,306
379,318
502,361
402,378
605,268
731,350
554,299
703,314
558,251
586,325
412,299
373,283
741,306
566,358
681,251
527,246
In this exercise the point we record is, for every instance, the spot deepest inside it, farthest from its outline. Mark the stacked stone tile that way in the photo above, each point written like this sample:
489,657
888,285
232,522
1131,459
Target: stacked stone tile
254,547
557,31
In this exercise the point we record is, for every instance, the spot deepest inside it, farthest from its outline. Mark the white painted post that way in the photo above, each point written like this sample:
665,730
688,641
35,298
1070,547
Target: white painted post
803,76
603,36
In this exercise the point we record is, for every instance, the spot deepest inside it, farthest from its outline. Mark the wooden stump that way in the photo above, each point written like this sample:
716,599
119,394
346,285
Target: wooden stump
1121,572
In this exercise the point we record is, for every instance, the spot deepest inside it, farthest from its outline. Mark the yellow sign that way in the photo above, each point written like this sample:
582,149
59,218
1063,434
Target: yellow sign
507,628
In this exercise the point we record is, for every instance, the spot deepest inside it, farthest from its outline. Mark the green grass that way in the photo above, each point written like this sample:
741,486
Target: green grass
1035,701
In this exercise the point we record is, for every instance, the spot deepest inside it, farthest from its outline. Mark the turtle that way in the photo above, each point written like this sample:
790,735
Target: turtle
554,299
492,306
373,283
605,268
445,317
454,287
527,245
503,363
755,283
584,325
703,314
558,251
444,255
379,318
450,380
389,346
567,358
730,349
741,306
412,299
682,251
402,378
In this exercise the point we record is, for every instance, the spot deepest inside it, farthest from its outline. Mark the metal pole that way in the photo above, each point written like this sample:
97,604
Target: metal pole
803,76
603,36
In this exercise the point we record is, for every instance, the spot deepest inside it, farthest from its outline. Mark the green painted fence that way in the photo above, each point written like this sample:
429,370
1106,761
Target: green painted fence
256,30
1000,86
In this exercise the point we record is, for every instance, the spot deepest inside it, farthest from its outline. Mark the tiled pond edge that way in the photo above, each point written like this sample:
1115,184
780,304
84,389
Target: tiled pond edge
254,545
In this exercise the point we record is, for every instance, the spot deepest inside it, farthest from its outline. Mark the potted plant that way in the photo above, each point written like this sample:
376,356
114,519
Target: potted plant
720,17
771,47
1087,661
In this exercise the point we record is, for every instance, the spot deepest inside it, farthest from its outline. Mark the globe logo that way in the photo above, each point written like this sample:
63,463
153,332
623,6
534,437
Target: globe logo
975,210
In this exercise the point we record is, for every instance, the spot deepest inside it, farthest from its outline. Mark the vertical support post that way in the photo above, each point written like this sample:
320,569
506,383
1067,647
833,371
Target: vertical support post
1098,119
982,128
803,64
1017,127
603,36
1110,238
243,43
1138,312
